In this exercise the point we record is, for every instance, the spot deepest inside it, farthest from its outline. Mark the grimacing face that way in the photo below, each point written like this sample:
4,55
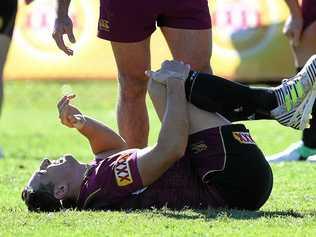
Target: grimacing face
53,171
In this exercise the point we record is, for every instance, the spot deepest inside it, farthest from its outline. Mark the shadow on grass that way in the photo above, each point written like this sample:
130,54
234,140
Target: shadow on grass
235,214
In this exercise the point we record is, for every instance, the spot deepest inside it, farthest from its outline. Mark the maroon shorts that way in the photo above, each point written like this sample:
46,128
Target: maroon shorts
228,159
127,21
309,12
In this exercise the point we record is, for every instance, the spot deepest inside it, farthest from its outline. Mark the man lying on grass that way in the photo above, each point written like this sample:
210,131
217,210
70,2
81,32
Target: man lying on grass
200,160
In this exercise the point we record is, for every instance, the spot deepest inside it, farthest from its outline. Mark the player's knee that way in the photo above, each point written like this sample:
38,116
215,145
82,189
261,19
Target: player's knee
133,87
203,66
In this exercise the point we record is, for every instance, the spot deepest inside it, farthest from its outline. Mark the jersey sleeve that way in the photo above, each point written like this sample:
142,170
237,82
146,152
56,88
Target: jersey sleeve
120,176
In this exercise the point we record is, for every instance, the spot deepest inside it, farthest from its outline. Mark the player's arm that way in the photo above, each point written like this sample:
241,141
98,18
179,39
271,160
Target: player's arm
294,24
172,140
63,26
101,137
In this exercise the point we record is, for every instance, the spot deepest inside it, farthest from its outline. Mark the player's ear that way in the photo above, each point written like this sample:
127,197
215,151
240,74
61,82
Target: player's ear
60,191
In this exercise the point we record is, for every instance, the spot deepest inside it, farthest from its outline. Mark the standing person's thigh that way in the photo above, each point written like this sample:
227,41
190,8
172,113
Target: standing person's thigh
132,60
191,46
128,27
187,29
307,46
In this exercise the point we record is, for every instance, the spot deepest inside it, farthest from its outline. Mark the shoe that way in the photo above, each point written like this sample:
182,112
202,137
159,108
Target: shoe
292,153
296,97
311,159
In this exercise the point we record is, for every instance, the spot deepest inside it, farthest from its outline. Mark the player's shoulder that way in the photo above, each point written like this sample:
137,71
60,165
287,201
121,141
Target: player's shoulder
110,155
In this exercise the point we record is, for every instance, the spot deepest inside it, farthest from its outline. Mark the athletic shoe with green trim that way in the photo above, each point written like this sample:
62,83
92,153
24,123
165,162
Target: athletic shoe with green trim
296,97
295,152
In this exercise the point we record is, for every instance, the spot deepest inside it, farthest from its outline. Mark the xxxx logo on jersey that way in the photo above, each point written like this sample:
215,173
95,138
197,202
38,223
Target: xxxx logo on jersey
243,137
123,172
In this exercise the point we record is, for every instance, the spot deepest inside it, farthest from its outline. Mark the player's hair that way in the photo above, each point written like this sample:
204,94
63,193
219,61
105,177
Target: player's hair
42,199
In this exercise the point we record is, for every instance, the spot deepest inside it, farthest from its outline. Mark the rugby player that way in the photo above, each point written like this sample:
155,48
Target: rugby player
128,26
7,20
200,160
300,28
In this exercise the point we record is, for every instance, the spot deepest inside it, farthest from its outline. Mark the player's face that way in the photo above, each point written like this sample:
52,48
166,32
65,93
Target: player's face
54,171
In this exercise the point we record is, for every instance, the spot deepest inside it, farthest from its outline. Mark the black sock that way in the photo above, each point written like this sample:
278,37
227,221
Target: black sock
233,100
309,134
298,69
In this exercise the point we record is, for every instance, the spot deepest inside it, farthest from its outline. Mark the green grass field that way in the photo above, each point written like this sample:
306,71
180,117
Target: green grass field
30,129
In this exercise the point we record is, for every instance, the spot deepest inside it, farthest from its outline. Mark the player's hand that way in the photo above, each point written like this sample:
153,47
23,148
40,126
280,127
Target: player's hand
28,1
170,70
293,29
69,115
63,26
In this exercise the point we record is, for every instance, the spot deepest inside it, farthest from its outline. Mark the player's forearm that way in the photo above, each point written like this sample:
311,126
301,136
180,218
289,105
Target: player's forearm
101,137
62,8
175,126
294,8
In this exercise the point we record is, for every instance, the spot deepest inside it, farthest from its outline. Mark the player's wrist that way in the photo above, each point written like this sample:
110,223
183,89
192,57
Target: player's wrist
81,122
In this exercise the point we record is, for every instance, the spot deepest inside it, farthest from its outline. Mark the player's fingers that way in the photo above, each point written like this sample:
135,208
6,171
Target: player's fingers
61,44
187,68
296,38
63,107
71,36
61,101
149,74
71,96
72,119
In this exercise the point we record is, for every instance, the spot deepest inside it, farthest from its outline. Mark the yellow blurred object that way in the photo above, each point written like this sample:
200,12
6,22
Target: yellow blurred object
248,43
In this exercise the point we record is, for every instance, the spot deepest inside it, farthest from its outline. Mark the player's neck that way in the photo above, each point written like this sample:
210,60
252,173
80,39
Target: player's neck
78,179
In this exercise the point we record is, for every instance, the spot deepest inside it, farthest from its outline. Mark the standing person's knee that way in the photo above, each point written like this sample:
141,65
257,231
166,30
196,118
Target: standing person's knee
133,86
201,65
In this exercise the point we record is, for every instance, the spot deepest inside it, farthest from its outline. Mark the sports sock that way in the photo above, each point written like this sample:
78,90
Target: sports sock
309,134
298,69
233,100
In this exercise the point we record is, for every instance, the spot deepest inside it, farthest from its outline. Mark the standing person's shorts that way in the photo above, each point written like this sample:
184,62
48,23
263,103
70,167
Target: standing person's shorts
8,9
133,21
309,12
228,160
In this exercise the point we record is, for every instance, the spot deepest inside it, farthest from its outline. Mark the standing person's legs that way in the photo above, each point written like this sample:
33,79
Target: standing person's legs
191,46
306,48
7,20
187,30
132,60
128,26
4,48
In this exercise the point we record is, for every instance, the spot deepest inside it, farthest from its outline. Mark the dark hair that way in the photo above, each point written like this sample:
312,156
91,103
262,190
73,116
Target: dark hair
42,199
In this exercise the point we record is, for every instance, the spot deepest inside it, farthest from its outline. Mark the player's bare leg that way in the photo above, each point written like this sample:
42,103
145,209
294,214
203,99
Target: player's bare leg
4,47
306,149
307,46
191,46
132,60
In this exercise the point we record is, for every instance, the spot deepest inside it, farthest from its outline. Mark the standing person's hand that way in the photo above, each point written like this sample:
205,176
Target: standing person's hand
28,1
170,70
64,26
293,29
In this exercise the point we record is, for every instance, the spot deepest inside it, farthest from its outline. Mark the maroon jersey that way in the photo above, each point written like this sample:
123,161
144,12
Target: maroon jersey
221,167
115,183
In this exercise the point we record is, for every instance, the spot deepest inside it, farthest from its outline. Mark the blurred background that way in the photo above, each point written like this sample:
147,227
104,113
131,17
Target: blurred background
248,44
